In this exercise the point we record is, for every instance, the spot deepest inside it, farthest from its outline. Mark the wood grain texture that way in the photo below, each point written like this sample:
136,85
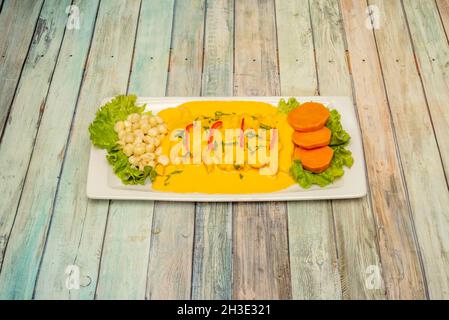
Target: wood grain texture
78,224
296,49
17,22
21,258
353,219
124,262
400,261
212,259
312,249
432,54
261,267
414,132
443,8
170,268
212,262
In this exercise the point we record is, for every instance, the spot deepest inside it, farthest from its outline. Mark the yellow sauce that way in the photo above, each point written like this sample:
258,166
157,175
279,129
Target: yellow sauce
225,179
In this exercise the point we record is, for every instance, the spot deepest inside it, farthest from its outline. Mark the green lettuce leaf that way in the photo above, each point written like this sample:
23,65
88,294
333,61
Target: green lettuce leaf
339,136
101,130
123,169
103,135
287,106
342,157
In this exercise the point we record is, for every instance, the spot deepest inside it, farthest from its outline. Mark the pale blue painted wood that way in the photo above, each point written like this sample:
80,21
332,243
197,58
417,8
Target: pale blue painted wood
432,53
78,224
212,260
17,22
357,250
124,262
20,261
170,268
401,266
312,248
428,194
261,267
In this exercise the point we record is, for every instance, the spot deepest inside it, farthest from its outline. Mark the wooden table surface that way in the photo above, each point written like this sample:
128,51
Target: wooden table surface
57,62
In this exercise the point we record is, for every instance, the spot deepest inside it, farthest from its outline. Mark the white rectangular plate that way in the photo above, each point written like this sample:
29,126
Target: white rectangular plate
103,184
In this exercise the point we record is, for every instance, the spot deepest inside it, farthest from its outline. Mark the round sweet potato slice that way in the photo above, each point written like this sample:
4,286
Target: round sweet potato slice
312,139
309,116
315,160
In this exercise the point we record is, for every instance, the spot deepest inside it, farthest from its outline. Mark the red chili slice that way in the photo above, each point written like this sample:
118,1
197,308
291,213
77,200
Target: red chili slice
242,135
216,125
187,129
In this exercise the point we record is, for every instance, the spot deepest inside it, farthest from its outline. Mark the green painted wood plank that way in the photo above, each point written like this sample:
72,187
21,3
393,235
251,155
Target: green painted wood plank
261,267
17,22
212,260
355,227
423,170
26,111
296,50
432,53
312,249
398,249
170,268
77,228
124,262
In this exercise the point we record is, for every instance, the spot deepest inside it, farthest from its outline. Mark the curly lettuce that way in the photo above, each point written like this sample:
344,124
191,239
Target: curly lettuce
103,136
287,106
102,133
127,173
342,157
339,136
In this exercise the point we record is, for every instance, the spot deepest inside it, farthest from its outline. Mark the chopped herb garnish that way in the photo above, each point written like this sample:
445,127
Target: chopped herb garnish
265,127
167,178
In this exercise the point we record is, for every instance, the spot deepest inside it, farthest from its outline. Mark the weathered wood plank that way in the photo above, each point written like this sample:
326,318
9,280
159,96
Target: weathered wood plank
443,8
212,268
152,51
126,249
432,53
312,249
429,197
212,260
170,269
17,23
19,267
261,267
77,229
354,224
296,50
400,262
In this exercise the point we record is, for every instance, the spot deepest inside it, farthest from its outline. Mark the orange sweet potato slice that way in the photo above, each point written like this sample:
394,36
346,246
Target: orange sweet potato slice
312,139
309,116
315,160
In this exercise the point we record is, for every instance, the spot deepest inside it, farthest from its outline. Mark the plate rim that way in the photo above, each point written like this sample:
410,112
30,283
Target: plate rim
106,192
